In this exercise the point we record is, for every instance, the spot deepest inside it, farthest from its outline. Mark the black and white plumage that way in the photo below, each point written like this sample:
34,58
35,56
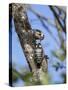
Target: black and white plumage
38,35
38,55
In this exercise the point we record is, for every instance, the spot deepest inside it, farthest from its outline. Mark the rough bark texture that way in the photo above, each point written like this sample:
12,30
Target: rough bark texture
24,32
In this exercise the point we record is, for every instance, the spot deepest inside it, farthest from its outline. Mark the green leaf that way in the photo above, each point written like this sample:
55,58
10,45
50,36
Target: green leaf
59,54
14,76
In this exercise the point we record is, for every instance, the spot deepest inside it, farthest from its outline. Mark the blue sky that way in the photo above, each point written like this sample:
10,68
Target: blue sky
48,43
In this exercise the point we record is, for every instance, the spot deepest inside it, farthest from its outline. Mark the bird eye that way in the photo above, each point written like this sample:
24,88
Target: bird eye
39,33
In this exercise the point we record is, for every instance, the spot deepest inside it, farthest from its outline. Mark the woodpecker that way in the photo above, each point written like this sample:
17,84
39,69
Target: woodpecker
38,55
38,35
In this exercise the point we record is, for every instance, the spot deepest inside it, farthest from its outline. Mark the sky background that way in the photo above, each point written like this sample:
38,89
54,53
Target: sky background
48,44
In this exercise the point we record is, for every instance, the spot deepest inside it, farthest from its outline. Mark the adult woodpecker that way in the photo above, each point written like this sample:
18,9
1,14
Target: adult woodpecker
38,55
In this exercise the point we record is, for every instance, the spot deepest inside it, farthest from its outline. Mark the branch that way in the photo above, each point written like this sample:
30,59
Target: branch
56,16
20,20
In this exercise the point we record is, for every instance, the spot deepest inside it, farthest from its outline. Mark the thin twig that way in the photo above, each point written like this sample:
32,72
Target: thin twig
56,16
